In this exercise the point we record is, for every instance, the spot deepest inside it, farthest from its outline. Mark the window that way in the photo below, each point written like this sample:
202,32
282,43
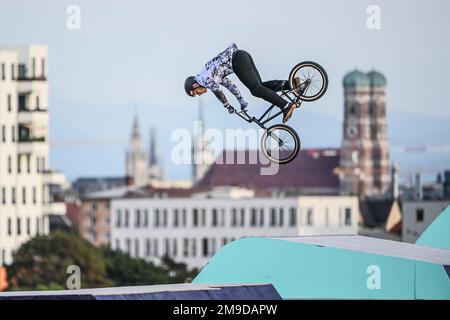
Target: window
13,195
195,217
194,247
166,247
214,218
38,228
155,247
117,244
37,102
253,217
175,218
13,75
13,133
4,195
136,248
3,71
9,227
37,165
43,67
24,195
233,217
9,103
309,217
156,219
281,217
242,217
213,246
165,217
94,206
28,163
128,245
22,102
222,217
148,246
419,214
118,218
204,217
3,133
185,247
9,164
22,71
19,226
137,218
127,218
293,217
33,67
273,217
327,217
205,249
348,217
28,226
184,217
145,218
34,195
174,247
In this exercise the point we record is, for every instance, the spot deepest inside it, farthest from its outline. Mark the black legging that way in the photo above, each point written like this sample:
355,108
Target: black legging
245,70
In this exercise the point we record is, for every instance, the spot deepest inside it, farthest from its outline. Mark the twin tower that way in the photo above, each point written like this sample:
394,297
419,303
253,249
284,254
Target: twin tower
364,159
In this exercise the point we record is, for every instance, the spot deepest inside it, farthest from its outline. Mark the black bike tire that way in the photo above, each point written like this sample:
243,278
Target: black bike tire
320,69
292,132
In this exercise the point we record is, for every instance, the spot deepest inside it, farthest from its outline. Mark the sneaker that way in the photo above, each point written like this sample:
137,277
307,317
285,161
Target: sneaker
297,84
288,111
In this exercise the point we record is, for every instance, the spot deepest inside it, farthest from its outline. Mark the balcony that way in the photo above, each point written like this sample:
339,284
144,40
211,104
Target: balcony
54,178
29,144
55,208
34,116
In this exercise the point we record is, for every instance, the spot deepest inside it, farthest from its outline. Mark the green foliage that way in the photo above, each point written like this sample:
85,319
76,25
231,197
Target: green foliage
41,264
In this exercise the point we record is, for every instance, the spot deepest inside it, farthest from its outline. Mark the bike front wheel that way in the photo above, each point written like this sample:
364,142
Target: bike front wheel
280,144
313,80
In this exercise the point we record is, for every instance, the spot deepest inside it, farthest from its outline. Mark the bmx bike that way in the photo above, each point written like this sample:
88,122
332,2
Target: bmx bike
280,143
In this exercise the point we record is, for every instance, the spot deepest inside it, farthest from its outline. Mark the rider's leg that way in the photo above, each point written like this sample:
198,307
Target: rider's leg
277,85
245,70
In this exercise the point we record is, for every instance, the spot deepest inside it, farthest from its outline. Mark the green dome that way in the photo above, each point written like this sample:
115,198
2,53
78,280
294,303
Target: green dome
356,79
376,79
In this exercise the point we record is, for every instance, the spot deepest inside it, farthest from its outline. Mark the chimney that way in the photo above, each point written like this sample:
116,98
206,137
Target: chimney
418,190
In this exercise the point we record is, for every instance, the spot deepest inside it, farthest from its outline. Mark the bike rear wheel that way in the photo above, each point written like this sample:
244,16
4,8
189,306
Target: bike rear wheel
280,143
313,79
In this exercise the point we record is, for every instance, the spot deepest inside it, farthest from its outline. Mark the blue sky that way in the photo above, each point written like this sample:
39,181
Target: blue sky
134,56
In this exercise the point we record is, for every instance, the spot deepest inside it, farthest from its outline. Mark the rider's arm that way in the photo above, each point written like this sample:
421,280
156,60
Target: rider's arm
235,91
214,87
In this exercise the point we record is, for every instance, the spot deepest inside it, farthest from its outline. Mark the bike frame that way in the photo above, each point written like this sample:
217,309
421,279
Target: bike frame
285,94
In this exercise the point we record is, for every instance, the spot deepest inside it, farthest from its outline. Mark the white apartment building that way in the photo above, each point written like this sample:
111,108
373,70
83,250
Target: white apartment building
418,215
191,229
25,179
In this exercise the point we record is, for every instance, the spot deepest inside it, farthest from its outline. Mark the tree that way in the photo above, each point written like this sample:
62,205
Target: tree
41,263
124,270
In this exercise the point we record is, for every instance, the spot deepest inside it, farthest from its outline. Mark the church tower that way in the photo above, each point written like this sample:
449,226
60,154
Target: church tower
156,171
202,155
137,165
365,151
